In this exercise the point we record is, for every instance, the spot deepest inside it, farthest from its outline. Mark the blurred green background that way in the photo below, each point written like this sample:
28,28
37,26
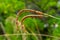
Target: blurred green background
46,25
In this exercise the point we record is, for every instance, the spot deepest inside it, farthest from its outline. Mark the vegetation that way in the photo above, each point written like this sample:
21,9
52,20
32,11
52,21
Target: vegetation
39,20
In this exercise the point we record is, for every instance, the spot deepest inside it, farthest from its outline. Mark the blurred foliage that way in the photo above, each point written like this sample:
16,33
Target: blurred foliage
9,9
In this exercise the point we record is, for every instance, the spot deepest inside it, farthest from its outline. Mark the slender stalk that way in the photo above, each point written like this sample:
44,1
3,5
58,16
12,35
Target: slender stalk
32,34
36,12
3,32
40,38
